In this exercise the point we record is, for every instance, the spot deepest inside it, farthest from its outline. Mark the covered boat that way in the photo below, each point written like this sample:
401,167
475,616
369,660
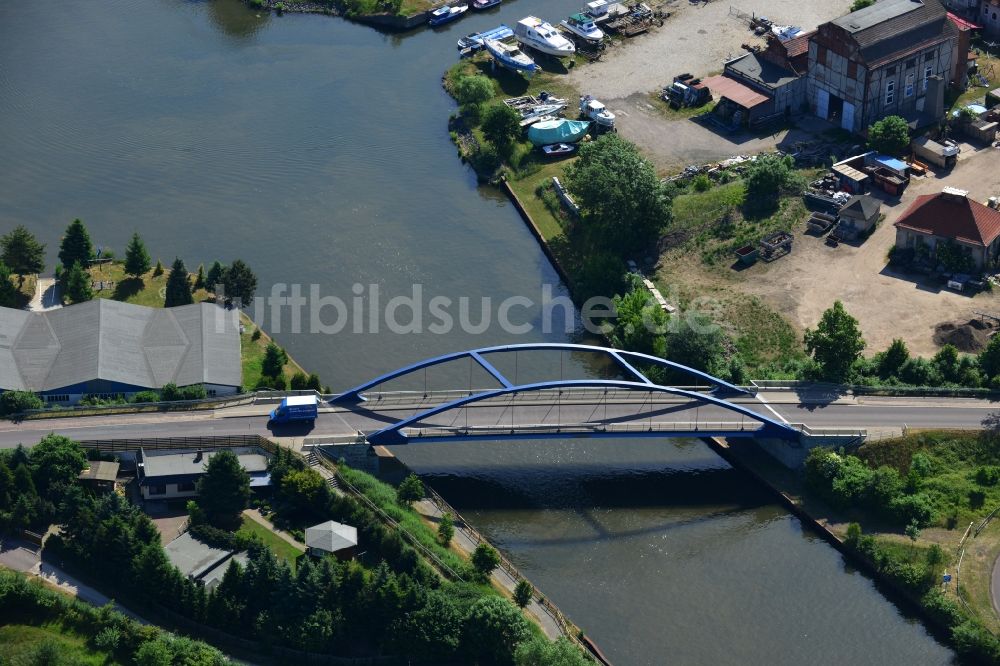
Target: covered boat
476,39
563,130
509,56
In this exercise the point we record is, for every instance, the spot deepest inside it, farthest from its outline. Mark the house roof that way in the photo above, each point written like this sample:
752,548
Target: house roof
100,470
732,89
331,536
952,215
885,30
798,45
862,205
756,67
118,342
163,464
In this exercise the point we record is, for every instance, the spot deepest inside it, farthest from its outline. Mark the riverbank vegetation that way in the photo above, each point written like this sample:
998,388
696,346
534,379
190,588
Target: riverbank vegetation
915,508
39,625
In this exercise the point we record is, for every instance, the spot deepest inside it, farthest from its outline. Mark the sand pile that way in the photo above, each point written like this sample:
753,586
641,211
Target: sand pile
968,336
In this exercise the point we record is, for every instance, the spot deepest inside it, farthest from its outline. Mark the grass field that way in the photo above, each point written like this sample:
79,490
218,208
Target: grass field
47,644
252,355
282,549
150,290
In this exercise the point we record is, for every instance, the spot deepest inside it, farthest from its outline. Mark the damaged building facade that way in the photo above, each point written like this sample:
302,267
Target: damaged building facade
895,57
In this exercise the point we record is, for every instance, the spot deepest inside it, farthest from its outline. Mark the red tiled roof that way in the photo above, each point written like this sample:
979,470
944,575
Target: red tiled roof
743,95
799,44
952,216
962,23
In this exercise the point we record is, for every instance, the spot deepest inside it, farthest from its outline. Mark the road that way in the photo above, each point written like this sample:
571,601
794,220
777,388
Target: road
815,410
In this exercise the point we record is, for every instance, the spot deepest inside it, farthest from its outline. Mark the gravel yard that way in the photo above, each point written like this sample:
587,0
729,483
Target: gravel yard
806,282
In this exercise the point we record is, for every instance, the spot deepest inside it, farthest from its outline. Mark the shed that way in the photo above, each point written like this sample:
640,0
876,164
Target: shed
332,537
850,179
99,474
736,97
858,216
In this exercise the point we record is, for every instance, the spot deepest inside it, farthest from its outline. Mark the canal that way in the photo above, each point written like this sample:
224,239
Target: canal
316,150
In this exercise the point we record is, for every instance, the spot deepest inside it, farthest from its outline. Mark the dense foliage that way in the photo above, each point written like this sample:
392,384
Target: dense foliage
22,252
835,343
224,490
76,246
890,135
178,291
622,202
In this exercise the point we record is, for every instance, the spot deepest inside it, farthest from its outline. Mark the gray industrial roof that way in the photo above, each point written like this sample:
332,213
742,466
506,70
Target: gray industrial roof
119,342
891,26
755,67
200,561
862,204
157,464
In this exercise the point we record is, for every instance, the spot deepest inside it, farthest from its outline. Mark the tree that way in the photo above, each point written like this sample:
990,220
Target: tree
76,246
523,592
78,287
15,402
274,361
861,4
158,269
199,279
892,359
639,324
240,283
989,358
623,204
768,174
697,343
474,90
835,343
298,381
446,530
9,296
853,534
178,286
137,261
224,490
214,277
56,459
410,490
312,382
493,629
540,651
501,127
891,135
485,559
22,252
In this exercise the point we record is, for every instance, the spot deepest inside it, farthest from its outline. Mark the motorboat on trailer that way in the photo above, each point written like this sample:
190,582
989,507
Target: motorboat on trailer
476,39
583,26
535,33
558,149
509,56
447,14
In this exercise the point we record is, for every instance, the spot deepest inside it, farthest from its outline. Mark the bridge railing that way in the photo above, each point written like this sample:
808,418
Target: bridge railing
180,443
539,395
611,428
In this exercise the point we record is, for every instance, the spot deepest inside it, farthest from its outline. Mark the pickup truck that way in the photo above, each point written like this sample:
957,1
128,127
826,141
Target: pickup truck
295,408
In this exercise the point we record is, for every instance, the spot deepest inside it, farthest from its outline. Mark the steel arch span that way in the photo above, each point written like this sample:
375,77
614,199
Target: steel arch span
394,434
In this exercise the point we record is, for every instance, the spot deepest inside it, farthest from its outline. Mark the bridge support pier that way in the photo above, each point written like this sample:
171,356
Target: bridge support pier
793,453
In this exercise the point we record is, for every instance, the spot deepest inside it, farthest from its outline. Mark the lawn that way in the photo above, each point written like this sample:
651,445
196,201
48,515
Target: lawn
150,290
282,549
252,355
975,91
26,644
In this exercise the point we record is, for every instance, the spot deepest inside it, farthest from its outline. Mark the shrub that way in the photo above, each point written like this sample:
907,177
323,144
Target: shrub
15,402
701,183
987,475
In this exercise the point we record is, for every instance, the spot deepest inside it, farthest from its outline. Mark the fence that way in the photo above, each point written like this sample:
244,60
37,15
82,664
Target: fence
180,443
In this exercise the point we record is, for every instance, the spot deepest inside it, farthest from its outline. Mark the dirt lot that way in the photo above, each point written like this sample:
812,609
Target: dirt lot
806,282
697,38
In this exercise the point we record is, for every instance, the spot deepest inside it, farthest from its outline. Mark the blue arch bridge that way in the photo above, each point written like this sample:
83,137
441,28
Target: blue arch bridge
631,404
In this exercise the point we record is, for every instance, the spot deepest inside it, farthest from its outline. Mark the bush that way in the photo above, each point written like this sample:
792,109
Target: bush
987,475
891,135
146,396
701,183
15,402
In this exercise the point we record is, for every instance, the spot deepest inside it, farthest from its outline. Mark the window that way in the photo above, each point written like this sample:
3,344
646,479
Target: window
911,63
890,93
157,489
59,397
909,85
928,72
187,487
211,393
890,71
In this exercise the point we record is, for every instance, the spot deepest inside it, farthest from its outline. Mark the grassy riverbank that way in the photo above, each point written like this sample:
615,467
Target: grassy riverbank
904,507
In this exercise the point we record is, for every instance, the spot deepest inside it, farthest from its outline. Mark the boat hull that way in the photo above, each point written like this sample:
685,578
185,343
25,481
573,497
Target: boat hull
440,19
479,6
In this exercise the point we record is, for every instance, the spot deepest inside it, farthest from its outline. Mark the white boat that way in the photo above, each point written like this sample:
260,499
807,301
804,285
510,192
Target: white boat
510,57
542,110
596,111
534,32
583,26
446,14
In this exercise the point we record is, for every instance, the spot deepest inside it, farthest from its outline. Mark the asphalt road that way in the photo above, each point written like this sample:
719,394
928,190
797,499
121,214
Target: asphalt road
815,411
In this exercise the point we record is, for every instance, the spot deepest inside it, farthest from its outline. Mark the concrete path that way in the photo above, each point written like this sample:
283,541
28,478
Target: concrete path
258,517
466,541
26,557
47,296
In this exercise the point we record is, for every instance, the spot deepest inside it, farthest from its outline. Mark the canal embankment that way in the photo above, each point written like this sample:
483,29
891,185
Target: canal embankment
393,16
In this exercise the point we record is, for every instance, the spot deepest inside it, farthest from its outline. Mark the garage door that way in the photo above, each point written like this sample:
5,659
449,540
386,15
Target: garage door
847,119
822,103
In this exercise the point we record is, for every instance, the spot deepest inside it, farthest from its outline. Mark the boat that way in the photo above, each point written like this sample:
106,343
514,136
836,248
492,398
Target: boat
509,56
583,26
446,14
484,4
534,32
556,149
476,39
562,130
